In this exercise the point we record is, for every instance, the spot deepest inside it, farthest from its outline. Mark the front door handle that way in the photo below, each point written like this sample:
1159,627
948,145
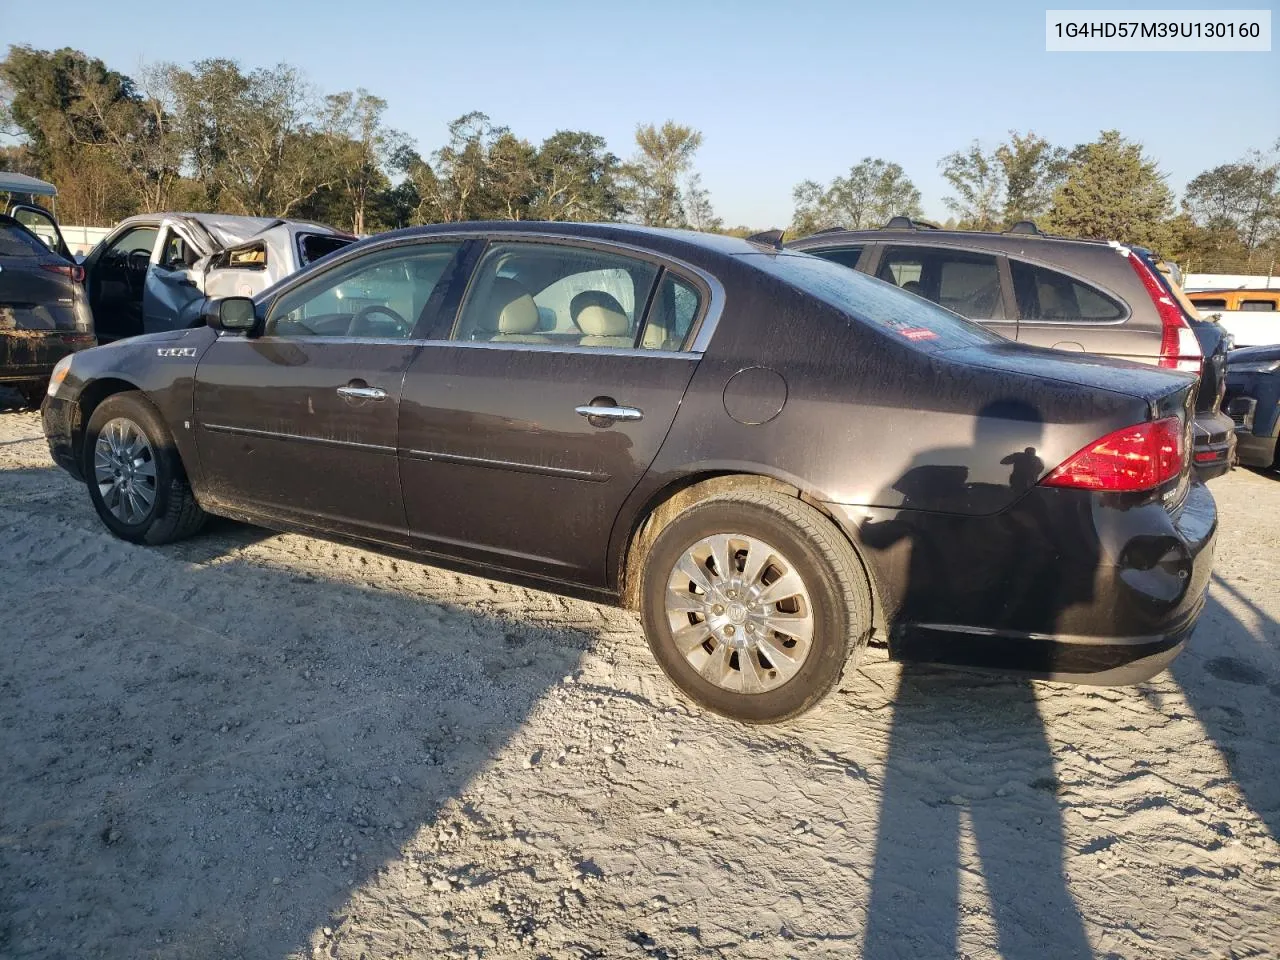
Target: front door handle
362,393
608,412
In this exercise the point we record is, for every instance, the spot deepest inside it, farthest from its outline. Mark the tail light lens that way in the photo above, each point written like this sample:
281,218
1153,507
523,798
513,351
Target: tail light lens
1141,457
1179,348
72,270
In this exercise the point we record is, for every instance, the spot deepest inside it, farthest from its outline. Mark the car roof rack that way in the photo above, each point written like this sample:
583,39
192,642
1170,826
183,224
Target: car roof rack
1028,227
818,233
906,223
767,238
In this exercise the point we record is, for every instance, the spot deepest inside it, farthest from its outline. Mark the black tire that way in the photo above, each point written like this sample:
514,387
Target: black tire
836,581
174,513
33,393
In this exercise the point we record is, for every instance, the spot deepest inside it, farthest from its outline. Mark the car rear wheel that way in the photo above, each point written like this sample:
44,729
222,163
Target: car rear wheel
754,604
135,476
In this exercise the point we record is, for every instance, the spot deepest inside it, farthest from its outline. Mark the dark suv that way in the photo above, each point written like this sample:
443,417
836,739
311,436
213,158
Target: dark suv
1086,296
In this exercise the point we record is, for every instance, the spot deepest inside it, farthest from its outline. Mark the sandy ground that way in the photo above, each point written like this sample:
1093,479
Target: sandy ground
264,746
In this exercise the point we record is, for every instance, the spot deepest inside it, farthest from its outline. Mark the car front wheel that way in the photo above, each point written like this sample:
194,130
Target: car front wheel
135,476
754,603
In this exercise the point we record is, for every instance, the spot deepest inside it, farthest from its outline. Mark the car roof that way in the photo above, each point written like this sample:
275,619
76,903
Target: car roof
1026,242
657,238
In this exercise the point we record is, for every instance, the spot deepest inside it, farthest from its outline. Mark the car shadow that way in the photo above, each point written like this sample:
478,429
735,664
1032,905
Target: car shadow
205,760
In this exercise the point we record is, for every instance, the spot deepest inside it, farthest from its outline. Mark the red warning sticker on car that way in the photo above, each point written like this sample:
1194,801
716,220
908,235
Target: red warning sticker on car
918,333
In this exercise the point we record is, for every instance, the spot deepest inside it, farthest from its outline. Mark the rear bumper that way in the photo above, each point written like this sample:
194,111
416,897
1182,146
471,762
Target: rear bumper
30,355
1064,585
58,418
1214,445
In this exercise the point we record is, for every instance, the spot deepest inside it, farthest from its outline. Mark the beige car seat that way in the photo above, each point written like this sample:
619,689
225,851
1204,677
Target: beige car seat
601,319
511,315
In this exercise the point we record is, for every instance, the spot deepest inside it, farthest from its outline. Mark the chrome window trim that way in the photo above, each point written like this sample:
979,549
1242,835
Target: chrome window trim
706,326
473,345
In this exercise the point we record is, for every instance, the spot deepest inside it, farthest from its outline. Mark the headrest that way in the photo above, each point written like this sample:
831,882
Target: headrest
914,286
597,314
511,309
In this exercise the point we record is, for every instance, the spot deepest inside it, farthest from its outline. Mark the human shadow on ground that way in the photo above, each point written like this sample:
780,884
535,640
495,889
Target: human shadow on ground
205,761
960,531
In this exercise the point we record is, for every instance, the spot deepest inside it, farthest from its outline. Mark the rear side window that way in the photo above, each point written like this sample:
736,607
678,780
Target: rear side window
1209,304
17,241
1257,305
1045,294
870,301
671,315
968,283
845,256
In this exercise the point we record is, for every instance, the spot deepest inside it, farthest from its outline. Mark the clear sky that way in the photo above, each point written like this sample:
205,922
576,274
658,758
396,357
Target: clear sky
782,91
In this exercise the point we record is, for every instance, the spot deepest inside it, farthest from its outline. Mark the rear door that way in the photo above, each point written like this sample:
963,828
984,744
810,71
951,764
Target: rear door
300,422
1068,312
524,428
42,223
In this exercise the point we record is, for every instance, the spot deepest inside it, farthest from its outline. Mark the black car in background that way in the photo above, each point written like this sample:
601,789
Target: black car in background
767,454
1078,295
44,313
1253,402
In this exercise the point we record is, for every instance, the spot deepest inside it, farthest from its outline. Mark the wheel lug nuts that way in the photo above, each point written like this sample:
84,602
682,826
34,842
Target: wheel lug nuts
729,631
717,610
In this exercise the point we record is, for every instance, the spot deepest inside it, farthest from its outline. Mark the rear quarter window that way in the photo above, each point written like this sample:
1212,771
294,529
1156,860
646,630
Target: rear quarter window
872,301
1045,294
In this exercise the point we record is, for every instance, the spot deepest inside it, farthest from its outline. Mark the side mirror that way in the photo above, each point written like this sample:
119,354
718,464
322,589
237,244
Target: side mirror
231,313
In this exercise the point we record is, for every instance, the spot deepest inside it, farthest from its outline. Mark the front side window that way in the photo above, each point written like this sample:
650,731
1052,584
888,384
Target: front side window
177,253
139,241
967,283
1045,294
556,295
381,295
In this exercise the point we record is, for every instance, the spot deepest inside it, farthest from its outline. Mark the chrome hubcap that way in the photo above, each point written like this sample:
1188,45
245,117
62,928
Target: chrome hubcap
739,613
124,468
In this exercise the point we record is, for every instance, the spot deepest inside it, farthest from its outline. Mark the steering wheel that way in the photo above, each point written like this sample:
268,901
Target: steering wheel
364,320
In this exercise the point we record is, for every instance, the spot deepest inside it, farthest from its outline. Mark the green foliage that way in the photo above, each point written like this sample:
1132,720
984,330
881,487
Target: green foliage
873,191
1015,181
1113,192
659,186
1240,199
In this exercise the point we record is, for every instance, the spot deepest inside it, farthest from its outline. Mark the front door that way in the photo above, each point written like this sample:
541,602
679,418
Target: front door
522,435
42,223
115,273
172,283
300,422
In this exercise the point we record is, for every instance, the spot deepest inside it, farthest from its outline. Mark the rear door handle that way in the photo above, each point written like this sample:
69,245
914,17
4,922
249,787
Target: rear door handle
601,412
362,393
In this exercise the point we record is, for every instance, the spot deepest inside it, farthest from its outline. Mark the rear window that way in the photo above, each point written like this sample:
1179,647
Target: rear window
1203,304
873,301
17,241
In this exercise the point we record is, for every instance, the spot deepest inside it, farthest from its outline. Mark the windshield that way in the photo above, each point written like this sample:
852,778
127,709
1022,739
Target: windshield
873,301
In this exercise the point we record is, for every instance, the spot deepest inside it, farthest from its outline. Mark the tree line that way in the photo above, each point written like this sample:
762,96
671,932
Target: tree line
213,136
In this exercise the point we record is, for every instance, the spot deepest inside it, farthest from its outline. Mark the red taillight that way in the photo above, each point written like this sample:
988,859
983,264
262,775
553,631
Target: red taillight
72,270
1179,348
1140,457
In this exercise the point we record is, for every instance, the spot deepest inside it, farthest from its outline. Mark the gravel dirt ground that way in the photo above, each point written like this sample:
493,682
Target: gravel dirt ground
267,746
